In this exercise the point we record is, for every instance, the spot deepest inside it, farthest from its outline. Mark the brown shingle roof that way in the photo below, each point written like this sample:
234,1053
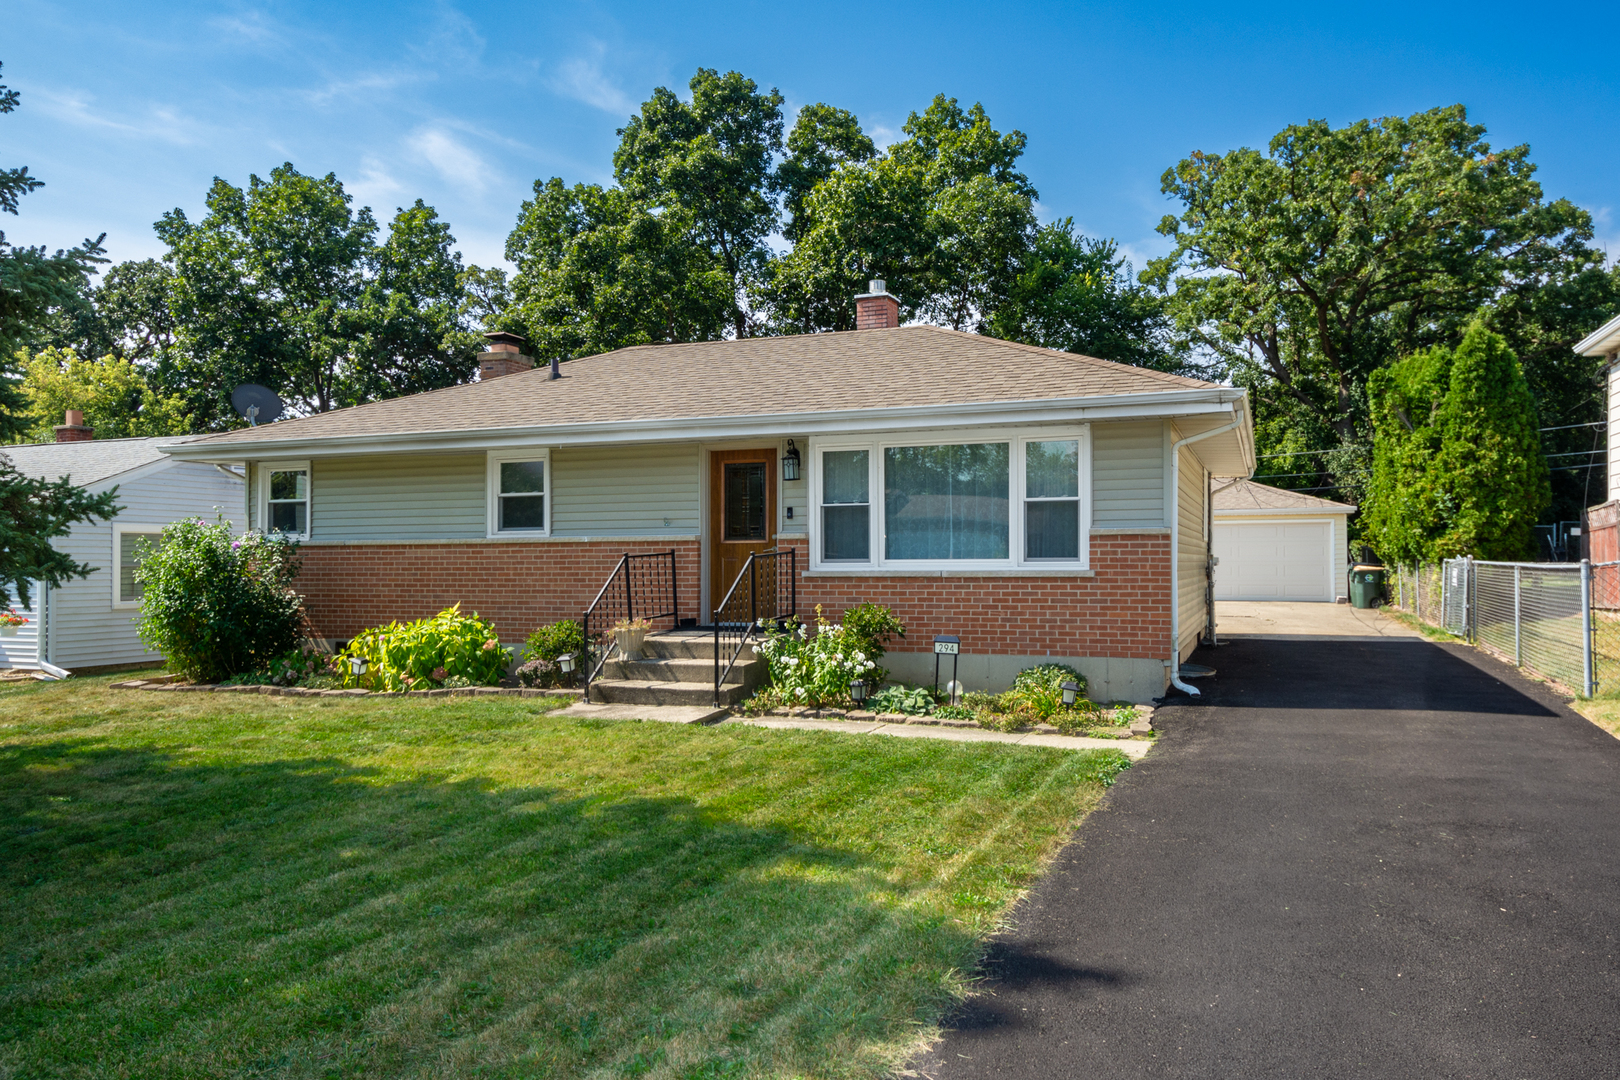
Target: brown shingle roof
807,373
1248,495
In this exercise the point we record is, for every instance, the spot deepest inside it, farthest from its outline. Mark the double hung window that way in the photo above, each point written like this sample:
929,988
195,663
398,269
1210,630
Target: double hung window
1002,501
519,494
286,497
128,550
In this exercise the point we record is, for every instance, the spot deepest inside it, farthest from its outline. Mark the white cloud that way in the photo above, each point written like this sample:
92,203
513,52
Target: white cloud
76,107
451,159
583,79
376,187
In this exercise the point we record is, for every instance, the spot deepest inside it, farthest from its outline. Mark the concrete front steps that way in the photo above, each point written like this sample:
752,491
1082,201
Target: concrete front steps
678,670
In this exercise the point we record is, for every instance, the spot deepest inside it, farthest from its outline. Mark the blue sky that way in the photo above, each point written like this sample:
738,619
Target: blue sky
130,109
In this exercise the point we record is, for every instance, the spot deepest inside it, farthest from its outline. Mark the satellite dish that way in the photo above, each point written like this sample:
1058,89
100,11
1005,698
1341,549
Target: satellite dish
259,404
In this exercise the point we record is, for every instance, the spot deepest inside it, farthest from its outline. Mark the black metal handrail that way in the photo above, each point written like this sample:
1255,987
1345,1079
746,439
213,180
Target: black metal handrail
640,587
766,591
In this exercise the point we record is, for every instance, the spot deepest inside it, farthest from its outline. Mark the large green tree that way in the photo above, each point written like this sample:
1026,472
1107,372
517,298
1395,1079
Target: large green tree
598,269
1078,294
284,283
1457,461
713,160
943,217
1308,266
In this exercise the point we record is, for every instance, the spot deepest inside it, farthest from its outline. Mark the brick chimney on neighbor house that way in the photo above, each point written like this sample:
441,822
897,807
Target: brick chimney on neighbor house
74,430
505,356
876,310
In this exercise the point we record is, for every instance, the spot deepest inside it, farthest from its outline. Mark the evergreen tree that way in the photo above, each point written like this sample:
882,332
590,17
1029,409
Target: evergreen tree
1457,461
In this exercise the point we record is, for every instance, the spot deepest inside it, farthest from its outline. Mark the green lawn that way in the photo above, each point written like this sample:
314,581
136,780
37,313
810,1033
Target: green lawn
207,885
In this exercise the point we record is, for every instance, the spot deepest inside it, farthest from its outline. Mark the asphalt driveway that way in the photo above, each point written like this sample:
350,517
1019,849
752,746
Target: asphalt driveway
1370,856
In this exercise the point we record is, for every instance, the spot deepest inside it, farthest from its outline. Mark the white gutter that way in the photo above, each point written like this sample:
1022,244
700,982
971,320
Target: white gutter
1601,342
1158,405
1175,551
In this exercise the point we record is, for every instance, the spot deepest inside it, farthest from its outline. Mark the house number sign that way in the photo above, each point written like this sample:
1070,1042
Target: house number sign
947,646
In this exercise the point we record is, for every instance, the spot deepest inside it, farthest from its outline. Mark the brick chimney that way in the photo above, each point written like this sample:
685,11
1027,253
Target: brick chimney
74,430
504,357
876,310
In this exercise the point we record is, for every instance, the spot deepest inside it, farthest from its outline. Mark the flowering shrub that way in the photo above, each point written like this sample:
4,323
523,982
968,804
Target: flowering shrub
814,669
871,625
423,654
542,649
296,666
9,617
216,606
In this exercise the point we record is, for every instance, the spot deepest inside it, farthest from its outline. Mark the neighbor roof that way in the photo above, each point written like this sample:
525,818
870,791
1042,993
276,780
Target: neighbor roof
1602,341
1248,495
87,462
805,373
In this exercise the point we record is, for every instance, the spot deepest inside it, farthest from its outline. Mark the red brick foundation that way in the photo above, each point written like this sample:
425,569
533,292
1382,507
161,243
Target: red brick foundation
1122,611
517,586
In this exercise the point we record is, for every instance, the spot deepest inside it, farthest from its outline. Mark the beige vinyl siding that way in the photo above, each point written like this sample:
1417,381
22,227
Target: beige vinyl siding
1192,548
794,493
1127,475
396,497
86,630
625,490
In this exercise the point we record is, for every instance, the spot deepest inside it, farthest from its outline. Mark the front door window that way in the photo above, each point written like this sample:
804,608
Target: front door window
745,500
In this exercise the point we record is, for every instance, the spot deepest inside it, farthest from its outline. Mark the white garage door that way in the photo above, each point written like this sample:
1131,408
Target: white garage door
1287,560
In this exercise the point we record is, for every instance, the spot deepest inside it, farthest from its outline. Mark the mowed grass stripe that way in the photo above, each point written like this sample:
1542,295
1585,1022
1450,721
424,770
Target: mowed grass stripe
202,885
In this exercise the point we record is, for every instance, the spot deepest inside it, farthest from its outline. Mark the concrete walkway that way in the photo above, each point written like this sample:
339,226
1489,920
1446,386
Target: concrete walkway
1246,618
1131,748
697,714
1369,856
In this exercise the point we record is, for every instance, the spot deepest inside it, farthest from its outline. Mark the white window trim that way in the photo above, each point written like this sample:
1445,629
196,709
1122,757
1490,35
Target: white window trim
263,500
492,494
1015,437
119,529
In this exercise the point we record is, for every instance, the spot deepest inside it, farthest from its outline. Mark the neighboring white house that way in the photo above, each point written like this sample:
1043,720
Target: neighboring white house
1277,545
89,622
1605,342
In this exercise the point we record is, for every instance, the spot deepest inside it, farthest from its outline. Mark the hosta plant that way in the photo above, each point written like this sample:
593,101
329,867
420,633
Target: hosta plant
424,654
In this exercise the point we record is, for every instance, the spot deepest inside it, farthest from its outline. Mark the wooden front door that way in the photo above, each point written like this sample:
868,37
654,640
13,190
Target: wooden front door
742,514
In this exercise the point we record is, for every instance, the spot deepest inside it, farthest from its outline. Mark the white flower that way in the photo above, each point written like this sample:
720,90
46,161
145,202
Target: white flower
798,691
802,635
859,655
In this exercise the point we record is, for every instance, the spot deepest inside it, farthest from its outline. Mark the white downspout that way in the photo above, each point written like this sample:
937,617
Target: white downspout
1175,551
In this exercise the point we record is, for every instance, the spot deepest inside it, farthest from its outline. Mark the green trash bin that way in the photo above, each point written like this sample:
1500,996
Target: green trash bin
1366,586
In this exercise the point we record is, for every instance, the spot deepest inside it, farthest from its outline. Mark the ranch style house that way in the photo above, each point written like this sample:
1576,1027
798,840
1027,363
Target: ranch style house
1038,505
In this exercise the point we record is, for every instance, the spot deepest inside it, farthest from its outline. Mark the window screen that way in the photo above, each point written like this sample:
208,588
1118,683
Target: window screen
523,495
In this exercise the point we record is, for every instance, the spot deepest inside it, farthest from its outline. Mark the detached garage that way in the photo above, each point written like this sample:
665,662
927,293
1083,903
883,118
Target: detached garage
1277,545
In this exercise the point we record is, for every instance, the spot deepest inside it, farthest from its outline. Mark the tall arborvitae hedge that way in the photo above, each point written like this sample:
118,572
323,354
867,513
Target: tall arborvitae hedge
1457,461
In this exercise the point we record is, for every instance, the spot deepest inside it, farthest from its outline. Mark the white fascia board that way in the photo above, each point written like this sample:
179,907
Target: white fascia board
1602,341
1340,510
1166,404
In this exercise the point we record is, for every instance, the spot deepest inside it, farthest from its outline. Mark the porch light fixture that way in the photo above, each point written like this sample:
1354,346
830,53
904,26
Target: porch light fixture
857,691
790,462
357,666
1070,691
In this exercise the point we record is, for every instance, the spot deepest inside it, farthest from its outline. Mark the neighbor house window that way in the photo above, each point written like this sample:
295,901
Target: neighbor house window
1000,502
520,494
128,550
846,511
286,498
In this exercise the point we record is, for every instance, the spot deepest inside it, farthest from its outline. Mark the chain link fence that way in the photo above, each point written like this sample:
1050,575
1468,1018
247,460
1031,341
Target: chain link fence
1559,620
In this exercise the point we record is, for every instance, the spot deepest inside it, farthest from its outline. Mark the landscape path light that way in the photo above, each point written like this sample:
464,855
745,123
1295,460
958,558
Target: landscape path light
357,665
1071,690
857,691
